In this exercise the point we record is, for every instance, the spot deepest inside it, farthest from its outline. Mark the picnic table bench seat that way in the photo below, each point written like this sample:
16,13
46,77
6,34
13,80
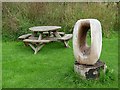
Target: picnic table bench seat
66,37
33,38
37,48
22,37
36,41
50,38
61,33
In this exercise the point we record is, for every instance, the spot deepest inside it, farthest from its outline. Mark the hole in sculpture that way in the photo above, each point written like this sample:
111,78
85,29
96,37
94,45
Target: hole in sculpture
84,38
88,38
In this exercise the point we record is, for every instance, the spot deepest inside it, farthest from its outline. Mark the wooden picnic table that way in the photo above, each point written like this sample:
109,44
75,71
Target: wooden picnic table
44,34
50,30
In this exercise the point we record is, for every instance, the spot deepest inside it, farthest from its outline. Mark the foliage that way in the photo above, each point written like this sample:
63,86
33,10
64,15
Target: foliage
0,65
17,17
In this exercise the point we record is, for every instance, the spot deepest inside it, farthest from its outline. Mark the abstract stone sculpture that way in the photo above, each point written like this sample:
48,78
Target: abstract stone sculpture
82,52
87,61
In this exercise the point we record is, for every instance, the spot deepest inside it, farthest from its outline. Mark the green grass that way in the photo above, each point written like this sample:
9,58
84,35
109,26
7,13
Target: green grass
0,64
53,66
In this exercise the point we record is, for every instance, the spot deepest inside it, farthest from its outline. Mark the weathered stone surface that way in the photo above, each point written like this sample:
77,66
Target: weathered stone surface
89,71
83,53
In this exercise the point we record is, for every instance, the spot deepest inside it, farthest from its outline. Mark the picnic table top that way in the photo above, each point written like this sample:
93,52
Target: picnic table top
44,28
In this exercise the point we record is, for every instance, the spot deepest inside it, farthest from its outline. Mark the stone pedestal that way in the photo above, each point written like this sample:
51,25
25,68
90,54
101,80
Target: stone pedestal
90,71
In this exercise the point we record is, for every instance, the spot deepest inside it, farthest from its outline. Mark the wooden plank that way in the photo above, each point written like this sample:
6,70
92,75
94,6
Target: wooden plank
24,36
46,33
33,38
50,38
61,33
36,41
66,37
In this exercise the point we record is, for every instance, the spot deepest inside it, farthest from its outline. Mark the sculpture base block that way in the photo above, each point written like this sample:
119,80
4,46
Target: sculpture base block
90,71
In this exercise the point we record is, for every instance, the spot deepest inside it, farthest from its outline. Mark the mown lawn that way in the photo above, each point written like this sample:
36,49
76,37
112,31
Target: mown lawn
52,67
0,64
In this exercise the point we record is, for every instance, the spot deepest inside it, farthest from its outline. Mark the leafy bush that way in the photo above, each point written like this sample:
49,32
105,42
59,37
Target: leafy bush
18,16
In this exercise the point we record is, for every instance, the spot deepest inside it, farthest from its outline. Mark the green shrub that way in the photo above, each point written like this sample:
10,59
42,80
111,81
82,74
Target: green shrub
17,17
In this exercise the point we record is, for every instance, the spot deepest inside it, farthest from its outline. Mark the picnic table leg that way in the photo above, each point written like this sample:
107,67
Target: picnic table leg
32,46
56,34
26,44
66,44
49,33
38,48
40,36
